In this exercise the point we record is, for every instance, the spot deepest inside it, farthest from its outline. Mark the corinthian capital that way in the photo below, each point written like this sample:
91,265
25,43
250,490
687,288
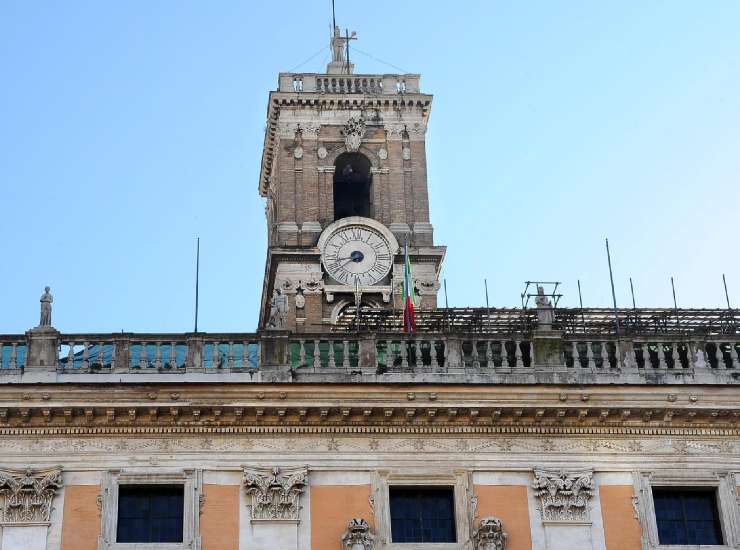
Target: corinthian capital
26,495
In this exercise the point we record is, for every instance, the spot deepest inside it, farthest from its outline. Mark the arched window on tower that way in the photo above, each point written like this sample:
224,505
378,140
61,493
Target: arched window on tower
352,186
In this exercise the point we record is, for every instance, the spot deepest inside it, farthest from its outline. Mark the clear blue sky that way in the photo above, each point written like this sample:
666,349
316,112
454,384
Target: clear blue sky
128,128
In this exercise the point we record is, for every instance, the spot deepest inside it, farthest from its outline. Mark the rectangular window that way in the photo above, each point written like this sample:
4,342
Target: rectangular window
422,514
150,513
687,516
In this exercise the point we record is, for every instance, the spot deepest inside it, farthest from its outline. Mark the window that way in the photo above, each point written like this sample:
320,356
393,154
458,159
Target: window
422,514
687,516
352,186
150,513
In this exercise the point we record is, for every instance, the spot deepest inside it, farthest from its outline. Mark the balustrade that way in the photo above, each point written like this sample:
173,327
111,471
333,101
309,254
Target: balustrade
13,353
318,354
86,354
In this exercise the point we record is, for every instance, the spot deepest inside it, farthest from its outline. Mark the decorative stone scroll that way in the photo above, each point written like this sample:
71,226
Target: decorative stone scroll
489,535
354,131
564,496
358,536
275,492
26,495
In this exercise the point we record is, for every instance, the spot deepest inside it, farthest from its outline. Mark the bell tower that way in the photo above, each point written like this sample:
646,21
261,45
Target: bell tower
344,175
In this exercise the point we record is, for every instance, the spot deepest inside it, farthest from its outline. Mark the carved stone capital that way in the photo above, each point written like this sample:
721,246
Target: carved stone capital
564,496
489,535
358,536
275,492
26,495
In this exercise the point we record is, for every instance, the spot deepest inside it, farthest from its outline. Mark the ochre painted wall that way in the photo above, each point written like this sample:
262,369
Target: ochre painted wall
80,517
621,529
332,506
219,522
509,504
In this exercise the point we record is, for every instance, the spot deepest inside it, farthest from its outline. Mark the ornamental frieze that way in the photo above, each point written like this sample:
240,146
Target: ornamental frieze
26,495
275,492
564,496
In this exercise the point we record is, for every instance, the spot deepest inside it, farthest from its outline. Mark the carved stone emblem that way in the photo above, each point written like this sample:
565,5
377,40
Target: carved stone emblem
26,495
382,153
322,152
354,131
564,496
358,536
275,492
489,535
406,153
298,152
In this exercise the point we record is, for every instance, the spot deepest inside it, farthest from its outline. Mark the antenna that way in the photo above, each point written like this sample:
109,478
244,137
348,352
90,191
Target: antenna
197,273
675,304
614,296
727,296
580,301
447,305
632,290
488,310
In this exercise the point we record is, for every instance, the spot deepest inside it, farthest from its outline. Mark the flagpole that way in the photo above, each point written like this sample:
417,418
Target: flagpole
197,273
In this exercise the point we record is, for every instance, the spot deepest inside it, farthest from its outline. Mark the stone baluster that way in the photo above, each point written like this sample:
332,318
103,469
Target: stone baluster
345,355
404,355
474,355
419,360
504,356
489,355
390,358
590,355
173,355
143,356
230,355
575,355
158,355
734,356
518,354
604,353
2,357
13,356
719,356
71,356
316,355
85,356
631,358
646,361
332,363
433,354
302,353
661,356
216,355
675,357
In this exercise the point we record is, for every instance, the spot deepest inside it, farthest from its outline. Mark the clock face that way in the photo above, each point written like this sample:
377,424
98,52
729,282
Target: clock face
357,255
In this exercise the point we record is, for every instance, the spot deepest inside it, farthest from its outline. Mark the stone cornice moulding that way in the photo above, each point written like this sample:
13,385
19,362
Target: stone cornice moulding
275,492
26,495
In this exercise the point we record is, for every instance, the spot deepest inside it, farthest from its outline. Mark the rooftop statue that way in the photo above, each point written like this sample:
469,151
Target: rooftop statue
46,300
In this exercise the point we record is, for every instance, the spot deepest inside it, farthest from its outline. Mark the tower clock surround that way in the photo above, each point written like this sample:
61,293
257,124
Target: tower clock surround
357,251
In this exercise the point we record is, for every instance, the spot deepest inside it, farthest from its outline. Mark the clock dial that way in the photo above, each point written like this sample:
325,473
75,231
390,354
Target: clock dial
357,255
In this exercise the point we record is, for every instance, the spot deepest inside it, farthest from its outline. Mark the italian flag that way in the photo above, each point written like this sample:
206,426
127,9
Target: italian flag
409,298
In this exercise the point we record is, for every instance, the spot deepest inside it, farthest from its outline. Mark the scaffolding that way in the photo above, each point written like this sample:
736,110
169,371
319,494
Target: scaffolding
602,321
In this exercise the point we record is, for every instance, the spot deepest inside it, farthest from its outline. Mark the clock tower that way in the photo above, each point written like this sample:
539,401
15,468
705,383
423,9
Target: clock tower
344,176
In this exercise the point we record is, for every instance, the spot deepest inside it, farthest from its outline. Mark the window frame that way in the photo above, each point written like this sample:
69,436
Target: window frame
725,488
458,481
191,480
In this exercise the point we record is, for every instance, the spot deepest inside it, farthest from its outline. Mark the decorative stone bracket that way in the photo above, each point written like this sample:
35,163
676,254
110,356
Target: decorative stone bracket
358,536
489,535
275,493
26,495
564,496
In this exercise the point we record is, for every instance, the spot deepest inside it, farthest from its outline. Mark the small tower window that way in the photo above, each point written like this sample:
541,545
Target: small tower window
352,186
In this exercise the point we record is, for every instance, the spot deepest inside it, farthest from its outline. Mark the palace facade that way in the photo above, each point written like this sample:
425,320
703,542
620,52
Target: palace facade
331,429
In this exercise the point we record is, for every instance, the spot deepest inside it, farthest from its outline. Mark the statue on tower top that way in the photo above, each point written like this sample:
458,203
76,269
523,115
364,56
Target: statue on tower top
339,62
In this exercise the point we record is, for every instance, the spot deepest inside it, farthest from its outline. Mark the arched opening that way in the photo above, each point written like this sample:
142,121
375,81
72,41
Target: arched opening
352,186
